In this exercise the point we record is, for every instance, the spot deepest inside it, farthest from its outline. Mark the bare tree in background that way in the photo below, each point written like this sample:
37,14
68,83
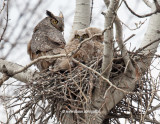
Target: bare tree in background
117,85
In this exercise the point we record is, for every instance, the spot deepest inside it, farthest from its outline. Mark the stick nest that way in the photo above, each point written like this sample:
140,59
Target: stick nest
53,94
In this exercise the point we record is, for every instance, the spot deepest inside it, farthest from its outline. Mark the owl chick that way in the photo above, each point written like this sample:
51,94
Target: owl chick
47,39
90,49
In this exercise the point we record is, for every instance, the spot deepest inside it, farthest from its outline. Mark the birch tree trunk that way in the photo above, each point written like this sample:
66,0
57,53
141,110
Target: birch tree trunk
151,35
82,15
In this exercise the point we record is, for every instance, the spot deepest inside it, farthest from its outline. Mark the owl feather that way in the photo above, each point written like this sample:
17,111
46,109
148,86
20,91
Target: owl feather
47,39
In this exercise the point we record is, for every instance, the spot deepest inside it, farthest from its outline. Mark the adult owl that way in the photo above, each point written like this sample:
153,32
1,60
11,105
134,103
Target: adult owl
90,49
47,39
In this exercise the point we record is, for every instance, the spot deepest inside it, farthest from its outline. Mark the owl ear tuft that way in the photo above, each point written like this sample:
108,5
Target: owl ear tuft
48,13
61,15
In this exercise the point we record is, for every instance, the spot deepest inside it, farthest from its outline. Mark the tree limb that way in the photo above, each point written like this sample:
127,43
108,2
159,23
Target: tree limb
148,3
5,28
119,40
12,67
156,10
108,38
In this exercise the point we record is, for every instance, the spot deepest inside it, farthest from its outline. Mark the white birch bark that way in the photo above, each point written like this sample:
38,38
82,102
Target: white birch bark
108,44
82,15
13,67
152,34
148,3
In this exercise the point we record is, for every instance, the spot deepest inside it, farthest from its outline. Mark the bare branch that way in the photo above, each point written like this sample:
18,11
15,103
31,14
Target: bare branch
150,102
2,7
149,44
5,75
129,38
22,29
3,79
102,77
119,40
11,67
138,25
108,38
143,16
148,3
5,28
153,109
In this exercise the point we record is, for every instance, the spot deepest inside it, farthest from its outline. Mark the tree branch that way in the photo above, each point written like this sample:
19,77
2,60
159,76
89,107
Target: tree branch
156,10
108,38
12,67
119,40
5,28
105,79
148,3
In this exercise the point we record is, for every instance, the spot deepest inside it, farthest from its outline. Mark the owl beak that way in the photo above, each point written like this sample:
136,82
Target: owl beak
61,28
81,39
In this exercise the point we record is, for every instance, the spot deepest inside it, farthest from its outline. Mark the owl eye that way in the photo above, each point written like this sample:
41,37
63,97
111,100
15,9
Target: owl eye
77,36
85,36
53,21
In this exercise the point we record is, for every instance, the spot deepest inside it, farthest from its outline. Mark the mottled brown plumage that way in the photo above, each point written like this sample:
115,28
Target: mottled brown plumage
86,53
47,39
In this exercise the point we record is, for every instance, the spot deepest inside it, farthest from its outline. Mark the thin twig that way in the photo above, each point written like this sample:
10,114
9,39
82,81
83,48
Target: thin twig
142,16
105,79
150,102
2,7
5,28
140,49
137,26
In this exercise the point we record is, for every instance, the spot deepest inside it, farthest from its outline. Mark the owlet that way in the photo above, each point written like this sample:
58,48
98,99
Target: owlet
88,51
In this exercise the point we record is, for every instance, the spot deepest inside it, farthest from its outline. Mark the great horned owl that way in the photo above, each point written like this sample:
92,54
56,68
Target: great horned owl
47,39
88,50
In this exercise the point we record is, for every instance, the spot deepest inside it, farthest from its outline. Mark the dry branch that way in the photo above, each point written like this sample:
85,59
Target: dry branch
146,15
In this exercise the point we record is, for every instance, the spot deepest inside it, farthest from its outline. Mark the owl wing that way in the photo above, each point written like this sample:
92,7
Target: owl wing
55,35
41,44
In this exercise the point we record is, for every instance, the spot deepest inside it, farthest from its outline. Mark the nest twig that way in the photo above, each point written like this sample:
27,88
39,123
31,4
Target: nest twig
56,93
